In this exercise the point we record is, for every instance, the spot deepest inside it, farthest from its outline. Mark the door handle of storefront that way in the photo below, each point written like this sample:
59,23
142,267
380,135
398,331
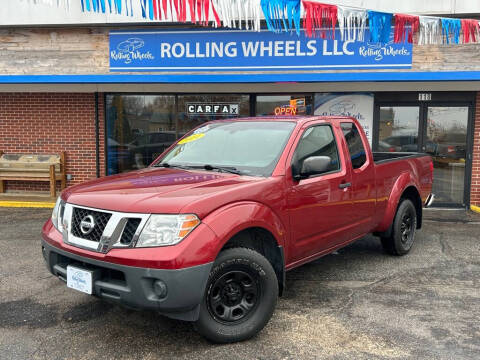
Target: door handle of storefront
344,185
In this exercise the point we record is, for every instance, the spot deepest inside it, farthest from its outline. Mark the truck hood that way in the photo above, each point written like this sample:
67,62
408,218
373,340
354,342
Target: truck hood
155,190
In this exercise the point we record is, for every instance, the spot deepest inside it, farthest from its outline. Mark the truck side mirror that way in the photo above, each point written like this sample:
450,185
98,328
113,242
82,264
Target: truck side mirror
314,165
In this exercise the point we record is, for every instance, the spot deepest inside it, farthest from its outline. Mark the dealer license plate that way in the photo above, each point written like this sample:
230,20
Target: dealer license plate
79,279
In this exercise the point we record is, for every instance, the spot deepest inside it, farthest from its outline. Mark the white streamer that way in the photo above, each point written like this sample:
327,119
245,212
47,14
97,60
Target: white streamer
233,13
351,23
58,3
430,32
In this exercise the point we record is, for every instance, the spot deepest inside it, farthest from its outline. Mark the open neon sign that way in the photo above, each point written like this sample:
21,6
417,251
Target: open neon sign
285,110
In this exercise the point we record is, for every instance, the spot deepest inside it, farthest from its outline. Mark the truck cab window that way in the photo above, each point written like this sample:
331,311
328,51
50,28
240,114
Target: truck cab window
316,141
355,144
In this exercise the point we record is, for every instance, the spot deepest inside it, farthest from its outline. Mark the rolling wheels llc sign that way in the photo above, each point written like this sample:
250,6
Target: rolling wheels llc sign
234,50
212,109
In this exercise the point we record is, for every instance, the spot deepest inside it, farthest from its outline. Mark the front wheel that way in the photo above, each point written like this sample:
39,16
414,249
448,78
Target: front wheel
403,230
240,296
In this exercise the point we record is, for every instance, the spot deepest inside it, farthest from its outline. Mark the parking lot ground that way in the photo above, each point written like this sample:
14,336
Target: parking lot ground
357,303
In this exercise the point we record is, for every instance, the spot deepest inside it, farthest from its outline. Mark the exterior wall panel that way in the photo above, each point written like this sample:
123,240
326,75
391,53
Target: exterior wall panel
60,51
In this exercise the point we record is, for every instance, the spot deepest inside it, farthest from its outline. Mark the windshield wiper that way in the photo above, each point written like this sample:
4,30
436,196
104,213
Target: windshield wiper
167,165
208,167
229,169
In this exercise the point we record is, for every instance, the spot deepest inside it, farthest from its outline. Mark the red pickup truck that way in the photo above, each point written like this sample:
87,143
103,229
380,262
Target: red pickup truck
207,232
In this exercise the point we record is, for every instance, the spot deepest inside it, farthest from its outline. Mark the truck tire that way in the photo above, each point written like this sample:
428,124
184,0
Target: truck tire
240,296
403,230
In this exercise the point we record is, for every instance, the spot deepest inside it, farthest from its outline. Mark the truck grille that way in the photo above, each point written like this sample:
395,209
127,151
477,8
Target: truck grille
100,219
129,230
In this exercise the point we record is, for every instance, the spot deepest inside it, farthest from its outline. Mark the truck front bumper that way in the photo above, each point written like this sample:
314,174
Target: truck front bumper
175,293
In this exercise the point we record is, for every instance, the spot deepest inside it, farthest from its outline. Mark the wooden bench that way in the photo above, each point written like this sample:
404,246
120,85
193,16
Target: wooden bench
29,167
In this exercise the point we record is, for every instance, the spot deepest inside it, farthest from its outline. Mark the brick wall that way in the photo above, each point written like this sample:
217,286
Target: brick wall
42,123
475,188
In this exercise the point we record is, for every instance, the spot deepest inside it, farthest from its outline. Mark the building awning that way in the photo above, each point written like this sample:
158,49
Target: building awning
310,77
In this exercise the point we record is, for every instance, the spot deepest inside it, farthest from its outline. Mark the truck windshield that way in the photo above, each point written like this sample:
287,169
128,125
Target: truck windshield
249,148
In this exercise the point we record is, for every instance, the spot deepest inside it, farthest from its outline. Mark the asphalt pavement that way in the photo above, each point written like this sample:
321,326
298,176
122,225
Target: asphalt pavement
357,303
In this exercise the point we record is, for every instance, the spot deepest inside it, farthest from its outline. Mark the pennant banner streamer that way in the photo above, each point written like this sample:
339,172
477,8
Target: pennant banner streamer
318,19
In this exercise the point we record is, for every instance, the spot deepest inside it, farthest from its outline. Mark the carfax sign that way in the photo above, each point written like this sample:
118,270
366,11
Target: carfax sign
227,50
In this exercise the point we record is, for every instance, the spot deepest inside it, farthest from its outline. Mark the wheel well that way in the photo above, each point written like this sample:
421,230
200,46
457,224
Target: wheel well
262,241
412,194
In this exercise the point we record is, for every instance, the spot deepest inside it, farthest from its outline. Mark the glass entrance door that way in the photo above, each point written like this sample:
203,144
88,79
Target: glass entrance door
441,128
446,141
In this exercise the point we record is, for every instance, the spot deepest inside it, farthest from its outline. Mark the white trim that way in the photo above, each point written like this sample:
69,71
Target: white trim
384,66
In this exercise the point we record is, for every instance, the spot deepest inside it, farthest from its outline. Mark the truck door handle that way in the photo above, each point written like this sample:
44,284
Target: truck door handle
344,185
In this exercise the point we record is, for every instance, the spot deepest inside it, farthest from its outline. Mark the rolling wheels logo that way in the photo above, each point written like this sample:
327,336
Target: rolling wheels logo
79,280
129,50
87,224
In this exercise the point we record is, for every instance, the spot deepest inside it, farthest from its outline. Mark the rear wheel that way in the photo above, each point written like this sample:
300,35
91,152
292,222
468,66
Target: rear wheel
240,297
403,230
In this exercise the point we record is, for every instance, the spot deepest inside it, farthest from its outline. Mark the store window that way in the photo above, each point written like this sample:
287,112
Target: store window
398,130
141,127
297,104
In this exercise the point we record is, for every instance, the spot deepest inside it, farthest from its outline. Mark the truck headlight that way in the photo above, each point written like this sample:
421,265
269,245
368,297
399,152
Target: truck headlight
165,230
57,214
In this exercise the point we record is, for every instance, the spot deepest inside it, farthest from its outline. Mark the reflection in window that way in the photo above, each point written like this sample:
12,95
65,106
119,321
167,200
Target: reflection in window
316,141
447,144
139,128
355,144
398,129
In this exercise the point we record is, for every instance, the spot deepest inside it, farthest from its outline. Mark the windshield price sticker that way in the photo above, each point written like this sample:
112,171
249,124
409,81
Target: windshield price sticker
212,109
191,138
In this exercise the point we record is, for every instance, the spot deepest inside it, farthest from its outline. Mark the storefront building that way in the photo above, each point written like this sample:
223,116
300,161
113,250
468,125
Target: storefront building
74,89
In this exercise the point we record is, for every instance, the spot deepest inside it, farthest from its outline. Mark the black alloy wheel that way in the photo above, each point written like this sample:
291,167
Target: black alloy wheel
240,296
234,296
403,229
406,227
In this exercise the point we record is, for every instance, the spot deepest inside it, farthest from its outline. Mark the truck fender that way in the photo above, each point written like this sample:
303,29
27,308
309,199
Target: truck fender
233,218
403,181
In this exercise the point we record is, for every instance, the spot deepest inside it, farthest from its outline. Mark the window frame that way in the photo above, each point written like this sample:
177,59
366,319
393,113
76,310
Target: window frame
367,157
300,135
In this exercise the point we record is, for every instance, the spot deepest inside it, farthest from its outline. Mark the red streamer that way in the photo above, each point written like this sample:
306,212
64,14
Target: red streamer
405,27
469,29
320,18
155,10
199,11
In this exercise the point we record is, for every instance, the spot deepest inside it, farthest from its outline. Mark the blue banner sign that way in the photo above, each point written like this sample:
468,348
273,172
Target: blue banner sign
234,50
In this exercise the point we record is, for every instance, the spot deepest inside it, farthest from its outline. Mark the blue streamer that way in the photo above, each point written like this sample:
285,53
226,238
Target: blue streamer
87,5
95,5
281,14
150,8
118,6
144,8
451,29
380,26
293,13
110,5
83,5
102,5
